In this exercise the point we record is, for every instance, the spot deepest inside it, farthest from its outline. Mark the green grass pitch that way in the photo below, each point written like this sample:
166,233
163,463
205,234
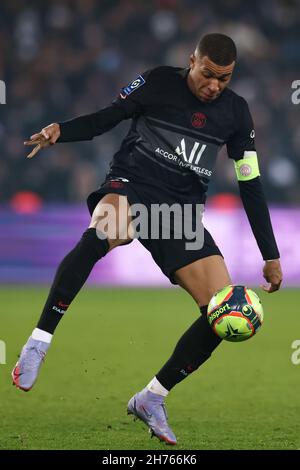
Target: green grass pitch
112,342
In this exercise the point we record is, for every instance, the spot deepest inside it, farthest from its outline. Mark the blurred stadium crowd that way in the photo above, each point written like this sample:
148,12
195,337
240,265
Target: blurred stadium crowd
60,59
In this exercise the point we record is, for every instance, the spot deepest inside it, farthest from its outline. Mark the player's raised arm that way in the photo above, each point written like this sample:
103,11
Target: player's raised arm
130,102
241,148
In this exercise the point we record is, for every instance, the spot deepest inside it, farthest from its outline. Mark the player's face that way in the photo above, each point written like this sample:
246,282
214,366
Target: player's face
206,79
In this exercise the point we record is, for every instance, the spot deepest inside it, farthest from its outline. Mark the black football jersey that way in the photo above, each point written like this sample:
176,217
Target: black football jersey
175,138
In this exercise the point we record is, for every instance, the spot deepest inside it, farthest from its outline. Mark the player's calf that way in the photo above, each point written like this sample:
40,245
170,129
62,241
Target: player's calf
70,277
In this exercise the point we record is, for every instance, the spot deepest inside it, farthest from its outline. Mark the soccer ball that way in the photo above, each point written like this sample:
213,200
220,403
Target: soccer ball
235,313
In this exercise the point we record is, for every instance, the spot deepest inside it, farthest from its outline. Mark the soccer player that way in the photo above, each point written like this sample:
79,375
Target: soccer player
180,119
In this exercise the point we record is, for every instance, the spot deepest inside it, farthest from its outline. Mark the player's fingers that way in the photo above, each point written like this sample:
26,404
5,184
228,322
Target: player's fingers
45,134
271,288
52,140
35,136
274,280
264,287
276,285
32,142
36,149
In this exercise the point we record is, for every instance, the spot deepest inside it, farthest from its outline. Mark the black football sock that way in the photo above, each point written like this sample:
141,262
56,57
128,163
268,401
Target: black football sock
193,348
70,276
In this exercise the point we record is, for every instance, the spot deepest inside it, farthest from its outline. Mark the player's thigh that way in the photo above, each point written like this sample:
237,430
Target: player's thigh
111,216
202,278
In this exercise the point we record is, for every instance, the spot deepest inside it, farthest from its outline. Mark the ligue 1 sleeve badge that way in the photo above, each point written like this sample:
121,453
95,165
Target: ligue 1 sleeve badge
198,120
139,81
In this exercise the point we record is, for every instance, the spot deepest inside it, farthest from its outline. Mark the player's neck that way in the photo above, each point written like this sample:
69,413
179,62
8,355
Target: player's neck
190,84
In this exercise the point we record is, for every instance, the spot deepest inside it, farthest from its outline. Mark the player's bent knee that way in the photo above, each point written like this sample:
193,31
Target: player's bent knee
106,220
112,237
93,241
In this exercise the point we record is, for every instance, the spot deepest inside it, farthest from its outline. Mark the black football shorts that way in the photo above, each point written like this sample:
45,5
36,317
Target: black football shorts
171,254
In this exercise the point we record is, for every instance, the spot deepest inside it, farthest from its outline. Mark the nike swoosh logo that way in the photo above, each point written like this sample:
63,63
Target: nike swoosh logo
149,415
60,304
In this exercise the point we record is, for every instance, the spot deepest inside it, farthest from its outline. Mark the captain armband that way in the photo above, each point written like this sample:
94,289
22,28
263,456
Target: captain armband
247,168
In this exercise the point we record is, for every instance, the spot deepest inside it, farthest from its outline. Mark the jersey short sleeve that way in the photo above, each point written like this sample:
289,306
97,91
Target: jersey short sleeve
243,140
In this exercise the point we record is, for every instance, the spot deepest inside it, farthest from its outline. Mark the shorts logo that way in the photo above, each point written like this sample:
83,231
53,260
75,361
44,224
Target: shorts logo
117,182
198,120
245,170
132,87
252,134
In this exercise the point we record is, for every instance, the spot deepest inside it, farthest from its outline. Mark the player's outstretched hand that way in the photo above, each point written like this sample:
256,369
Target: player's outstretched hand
272,274
47,136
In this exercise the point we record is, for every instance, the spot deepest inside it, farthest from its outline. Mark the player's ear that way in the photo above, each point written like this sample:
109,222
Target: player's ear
192,60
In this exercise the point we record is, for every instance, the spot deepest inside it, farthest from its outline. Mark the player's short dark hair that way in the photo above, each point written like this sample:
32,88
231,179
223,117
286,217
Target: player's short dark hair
218,47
